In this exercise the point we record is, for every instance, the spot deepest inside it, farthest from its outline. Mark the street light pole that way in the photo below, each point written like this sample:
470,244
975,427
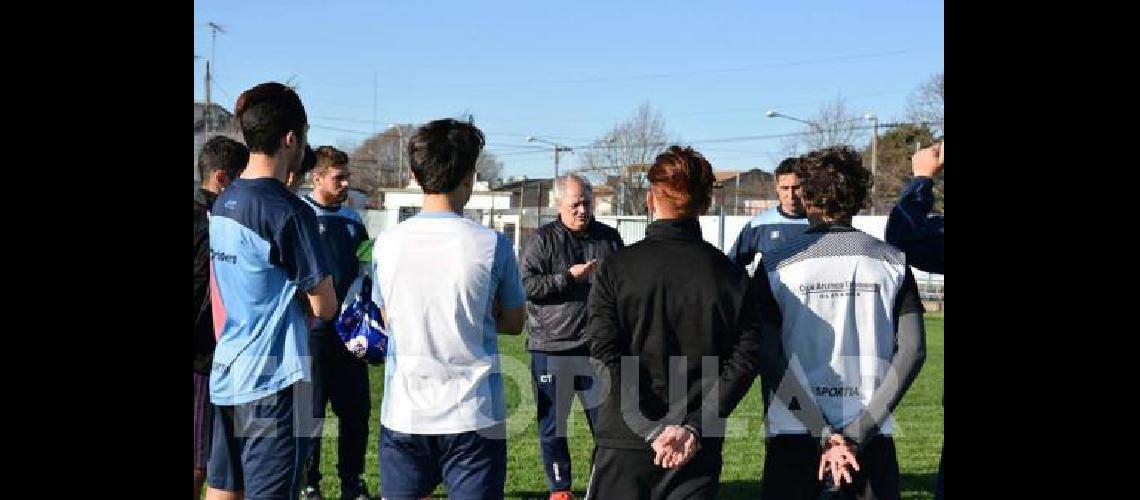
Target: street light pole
777,114
874,143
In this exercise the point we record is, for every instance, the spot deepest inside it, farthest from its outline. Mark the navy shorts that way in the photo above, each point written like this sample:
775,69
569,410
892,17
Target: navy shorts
261,446
472,465
201,419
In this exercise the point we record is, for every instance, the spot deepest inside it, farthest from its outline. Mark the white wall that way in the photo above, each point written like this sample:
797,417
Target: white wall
874,225
480,200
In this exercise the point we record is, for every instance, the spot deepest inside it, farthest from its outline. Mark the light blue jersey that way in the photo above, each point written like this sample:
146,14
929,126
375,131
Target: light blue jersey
438,277
264,249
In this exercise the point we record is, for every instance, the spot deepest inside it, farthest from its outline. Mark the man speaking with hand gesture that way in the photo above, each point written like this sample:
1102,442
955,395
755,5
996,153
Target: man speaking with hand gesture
558,264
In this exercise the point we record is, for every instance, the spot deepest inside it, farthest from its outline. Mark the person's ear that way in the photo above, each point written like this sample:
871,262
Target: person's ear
221,179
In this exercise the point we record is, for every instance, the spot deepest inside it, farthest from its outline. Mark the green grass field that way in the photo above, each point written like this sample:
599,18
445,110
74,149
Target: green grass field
918,433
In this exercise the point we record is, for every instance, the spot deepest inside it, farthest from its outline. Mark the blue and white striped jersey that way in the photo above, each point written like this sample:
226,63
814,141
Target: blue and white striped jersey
765,232
342,231
264,248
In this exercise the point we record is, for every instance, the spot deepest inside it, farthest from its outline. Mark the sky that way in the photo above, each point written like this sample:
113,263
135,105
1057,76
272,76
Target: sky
568,72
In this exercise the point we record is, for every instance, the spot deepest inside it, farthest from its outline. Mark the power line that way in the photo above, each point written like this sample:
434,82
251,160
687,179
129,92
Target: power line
750,137
486,132
596,145
694,112
496,145
678,74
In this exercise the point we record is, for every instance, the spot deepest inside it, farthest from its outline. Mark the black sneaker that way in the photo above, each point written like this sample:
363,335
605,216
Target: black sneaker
357,491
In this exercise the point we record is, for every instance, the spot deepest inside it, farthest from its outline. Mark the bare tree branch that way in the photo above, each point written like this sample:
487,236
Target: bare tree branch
623,155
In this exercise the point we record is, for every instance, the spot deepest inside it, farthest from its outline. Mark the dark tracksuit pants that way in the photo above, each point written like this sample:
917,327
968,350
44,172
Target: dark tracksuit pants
557,377
630,474
341,378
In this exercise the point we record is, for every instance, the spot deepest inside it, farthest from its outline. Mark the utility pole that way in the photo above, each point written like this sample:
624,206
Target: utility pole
214,29
874,159
736,197
558,148
206,112
400,151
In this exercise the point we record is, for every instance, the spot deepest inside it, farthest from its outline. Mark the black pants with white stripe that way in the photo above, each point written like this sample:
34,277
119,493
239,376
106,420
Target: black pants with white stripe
630,474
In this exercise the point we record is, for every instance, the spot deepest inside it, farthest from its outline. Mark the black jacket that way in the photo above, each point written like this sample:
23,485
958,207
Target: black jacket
673,295
204,341
556,306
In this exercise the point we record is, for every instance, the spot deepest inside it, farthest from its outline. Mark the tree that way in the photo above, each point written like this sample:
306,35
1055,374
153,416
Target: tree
623,155
896,147
381,162
833,124
928,104
488,166
377,162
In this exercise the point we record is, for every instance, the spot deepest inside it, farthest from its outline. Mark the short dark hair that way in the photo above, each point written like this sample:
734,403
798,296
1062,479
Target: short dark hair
308,161
266,113
328,156
685,177
442,152
789,166
222,153
835,181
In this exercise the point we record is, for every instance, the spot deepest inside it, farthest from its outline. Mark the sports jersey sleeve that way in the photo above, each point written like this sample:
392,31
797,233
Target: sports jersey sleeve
910,353
201,258
301,251
608,344
510,292
742,251
910,228
908,300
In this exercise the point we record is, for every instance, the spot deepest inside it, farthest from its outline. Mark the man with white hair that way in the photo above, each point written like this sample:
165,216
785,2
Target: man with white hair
557,263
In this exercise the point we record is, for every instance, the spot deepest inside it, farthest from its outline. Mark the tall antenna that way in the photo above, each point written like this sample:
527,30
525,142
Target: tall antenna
214,29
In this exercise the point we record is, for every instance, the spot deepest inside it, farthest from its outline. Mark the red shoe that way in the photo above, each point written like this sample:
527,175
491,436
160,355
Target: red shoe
561,495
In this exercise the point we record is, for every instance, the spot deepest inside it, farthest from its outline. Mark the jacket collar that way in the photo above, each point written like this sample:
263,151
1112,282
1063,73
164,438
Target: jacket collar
687,228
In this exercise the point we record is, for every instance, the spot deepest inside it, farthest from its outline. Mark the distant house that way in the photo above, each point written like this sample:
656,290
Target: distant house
743,192
603,200
220,121
528,193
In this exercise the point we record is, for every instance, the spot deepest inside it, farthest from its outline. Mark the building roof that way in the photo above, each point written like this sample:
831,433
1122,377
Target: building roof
724,175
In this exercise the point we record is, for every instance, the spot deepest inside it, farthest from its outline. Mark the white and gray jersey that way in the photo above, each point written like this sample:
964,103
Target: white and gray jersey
840,293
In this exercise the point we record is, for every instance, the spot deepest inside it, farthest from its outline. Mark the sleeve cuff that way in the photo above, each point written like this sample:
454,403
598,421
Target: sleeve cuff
649,438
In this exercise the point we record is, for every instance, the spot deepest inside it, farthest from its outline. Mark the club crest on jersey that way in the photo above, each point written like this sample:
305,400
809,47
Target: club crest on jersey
775,234
352,231
321,228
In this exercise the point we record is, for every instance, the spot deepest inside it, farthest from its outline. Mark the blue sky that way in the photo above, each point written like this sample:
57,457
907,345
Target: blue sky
570,71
